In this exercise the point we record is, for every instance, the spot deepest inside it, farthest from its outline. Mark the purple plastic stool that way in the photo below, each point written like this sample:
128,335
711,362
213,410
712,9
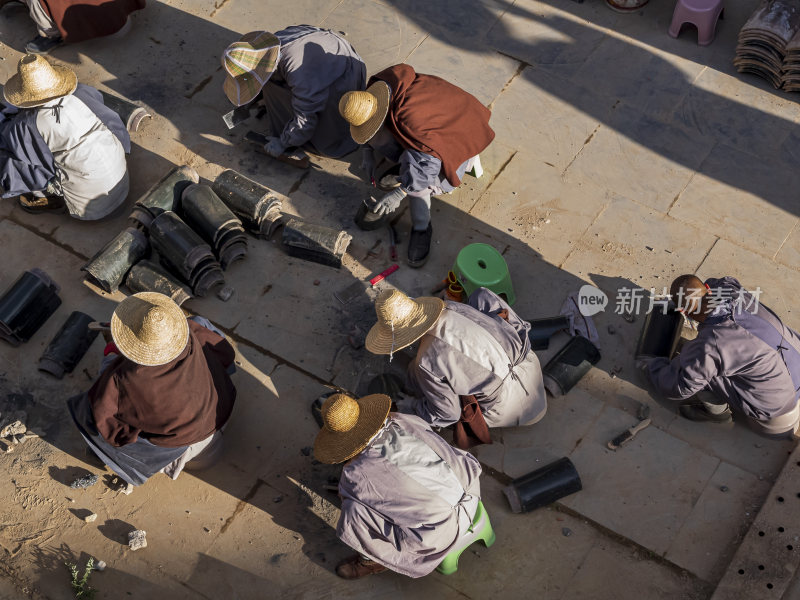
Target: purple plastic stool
703,14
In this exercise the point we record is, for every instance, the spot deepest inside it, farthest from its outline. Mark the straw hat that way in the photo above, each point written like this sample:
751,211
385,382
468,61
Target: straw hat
249,64
149,328
365,111
401,321
349,425
38,82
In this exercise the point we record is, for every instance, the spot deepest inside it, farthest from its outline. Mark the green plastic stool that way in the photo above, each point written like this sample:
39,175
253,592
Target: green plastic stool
481,265
481,529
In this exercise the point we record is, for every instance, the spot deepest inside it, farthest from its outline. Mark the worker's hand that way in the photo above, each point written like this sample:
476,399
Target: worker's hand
368,163
274,147
390,202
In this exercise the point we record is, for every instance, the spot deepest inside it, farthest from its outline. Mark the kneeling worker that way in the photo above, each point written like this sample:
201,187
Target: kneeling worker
744,360
60,146
164,394
474,365
408,497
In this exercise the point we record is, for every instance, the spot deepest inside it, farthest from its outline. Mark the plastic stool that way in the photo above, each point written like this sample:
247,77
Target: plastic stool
481,529
481,265
703,14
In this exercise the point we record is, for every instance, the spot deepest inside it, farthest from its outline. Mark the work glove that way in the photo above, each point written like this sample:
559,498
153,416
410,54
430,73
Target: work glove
389,203
274,147
368,163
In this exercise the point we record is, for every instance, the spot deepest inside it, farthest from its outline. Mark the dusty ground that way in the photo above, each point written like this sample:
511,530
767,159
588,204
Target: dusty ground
622,158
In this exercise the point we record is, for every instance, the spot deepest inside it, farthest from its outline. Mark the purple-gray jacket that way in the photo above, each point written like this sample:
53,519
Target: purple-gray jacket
743,353
408,497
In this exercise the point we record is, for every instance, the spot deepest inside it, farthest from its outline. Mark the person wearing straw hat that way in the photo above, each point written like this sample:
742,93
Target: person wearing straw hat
164,393
432,130
299,74
474,366
61,148
407,496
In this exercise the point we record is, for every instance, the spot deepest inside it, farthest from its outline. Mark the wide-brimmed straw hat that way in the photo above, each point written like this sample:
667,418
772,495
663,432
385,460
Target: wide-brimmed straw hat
365,111
149,328
38,82
401,321
249,63
348,425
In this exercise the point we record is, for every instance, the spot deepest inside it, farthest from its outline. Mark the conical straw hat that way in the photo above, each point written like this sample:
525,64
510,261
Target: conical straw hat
401,321
348,426
249,63
149,328
38,82
365,111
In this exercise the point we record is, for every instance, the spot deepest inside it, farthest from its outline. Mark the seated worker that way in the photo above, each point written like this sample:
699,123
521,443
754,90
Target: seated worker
744,360
164,393
433,129
299,73
407,496
70,21
474,365
60,146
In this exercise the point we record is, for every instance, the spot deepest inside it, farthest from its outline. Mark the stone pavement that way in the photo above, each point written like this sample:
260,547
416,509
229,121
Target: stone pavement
622,158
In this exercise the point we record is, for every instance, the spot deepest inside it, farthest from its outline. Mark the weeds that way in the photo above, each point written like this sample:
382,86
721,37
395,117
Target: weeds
80,585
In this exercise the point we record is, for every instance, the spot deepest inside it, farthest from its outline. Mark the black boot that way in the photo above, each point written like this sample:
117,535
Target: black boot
697,412
419,247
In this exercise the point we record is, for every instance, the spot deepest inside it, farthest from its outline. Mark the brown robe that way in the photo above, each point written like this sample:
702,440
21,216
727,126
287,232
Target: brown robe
171,405
431,115
79,20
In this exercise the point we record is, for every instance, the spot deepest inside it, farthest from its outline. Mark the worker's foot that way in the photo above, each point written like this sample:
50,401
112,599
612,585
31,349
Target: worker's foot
356,567
33,205
419,247
43,45
697,412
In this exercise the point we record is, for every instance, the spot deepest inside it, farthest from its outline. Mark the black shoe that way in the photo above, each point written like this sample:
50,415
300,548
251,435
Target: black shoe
37,205
419,247
43,45
697,412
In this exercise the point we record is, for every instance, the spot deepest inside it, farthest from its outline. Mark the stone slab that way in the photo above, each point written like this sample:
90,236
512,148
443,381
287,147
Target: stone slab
789,253
646,80
559,116
563,429
545,34
732,111
712,532
640,157
532,201
779,285
636,575
741,198
476,69
644,491
767,559
614,252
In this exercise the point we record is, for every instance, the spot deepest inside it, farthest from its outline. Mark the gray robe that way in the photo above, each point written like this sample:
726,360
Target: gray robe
751,359
315,68
408,497
472,351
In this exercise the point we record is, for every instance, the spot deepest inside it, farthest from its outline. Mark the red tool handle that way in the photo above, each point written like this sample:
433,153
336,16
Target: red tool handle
383,275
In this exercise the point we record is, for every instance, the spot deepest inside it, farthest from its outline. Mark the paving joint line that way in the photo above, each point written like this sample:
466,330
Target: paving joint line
494,178
217,7
241,504
716,239
199,87
520,68
578,153
48,237
585,231
788,235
